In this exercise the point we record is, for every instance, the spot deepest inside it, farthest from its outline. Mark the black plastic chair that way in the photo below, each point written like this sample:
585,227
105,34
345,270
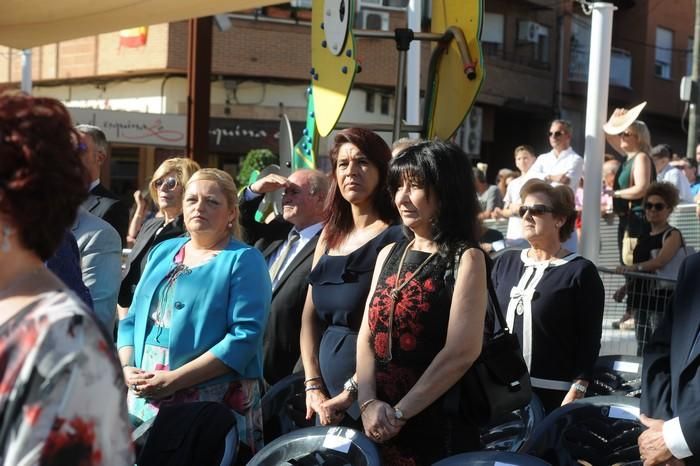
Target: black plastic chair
491,458
312,446
511,431
599,431
616,375
284,407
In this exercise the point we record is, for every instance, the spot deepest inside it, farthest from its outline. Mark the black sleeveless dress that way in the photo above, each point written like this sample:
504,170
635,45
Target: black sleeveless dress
418,333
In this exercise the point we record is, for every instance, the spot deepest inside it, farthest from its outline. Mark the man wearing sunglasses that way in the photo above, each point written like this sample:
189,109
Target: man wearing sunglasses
562,165
101,202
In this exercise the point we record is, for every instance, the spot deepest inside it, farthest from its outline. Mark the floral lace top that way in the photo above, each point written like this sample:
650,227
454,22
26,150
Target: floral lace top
418,334
61,390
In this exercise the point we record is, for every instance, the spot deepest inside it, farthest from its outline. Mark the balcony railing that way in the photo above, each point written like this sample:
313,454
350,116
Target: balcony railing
620,67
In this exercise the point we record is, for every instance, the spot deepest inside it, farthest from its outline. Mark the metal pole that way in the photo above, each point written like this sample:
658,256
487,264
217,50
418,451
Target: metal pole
693,108
398,107
26,85
596,110
413,66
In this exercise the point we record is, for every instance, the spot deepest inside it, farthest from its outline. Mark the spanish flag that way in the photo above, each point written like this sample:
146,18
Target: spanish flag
134,37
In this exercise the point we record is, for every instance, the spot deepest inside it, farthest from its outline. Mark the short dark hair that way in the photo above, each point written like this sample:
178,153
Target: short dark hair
666,191
562,199
338,213
565,123
445,171
41,176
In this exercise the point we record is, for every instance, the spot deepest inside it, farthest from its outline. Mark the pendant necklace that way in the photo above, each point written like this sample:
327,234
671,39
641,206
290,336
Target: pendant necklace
395,292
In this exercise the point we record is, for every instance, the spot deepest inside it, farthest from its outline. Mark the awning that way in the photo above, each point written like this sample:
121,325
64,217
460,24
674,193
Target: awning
30,23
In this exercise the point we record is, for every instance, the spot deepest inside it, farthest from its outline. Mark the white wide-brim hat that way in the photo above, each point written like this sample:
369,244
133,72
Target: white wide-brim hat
616,125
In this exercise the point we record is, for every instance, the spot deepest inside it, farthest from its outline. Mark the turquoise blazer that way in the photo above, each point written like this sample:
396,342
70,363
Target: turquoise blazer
220,307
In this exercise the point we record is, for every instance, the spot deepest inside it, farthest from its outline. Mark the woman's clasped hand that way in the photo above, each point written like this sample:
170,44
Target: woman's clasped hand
380,422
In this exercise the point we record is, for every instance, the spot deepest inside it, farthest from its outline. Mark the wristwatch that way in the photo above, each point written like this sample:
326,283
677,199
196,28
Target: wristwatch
398,414
350,386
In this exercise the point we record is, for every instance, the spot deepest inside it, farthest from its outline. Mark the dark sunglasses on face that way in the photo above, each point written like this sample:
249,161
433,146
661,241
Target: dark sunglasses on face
535,210
168,183
654,206
556,134
627,134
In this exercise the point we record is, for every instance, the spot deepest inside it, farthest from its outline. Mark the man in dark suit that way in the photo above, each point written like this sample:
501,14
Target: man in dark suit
101,202
288,244
671,378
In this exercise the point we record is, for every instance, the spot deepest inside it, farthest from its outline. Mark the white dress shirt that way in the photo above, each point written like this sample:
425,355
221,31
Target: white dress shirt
677,178
305,235
568,163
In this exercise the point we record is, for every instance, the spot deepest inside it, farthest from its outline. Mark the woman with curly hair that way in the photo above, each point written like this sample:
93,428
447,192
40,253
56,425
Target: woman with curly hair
60,384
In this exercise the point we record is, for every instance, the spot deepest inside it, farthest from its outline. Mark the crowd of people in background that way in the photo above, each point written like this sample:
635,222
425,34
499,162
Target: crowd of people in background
347,285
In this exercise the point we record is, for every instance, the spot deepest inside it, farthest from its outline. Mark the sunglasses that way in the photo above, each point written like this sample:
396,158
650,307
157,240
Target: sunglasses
535,210
556,134
168,183
655,206
627,134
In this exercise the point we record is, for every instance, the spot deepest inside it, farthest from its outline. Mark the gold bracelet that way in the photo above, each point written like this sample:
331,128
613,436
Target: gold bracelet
366,403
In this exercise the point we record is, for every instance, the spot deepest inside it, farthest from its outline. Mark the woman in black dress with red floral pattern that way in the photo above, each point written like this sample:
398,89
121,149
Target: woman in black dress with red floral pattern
417,337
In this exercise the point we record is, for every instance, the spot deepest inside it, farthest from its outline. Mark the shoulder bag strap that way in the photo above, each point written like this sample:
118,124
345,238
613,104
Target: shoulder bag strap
493,299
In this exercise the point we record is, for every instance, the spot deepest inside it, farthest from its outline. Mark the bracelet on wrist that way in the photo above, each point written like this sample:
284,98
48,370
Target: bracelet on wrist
366,403
311,388
579,387
312,379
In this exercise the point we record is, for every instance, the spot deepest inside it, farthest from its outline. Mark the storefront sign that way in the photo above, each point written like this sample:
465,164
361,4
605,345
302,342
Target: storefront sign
226,135
135,128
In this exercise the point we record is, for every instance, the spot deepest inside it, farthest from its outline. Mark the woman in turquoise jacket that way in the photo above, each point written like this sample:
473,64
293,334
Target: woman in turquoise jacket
194,329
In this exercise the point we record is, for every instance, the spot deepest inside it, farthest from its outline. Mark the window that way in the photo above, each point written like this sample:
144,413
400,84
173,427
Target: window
384,104
542,45
579,47
369,102
492,33
689,58
664,46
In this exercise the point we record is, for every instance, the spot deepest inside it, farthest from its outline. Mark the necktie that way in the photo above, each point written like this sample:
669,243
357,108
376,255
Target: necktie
284,253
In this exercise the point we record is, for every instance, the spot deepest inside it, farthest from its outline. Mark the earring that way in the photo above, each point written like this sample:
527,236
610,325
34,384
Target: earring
230,225
6,232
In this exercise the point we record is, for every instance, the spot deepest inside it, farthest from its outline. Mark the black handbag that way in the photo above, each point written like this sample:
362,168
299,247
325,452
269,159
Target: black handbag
498,381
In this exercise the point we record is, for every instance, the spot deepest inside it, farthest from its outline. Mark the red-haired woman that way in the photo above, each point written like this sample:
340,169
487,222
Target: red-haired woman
61,384
359,219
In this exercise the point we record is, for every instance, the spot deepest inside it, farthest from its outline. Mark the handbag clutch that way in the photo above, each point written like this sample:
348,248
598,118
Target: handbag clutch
498,381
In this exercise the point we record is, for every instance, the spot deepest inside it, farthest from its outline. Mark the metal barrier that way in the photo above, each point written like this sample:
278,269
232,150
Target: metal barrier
645,297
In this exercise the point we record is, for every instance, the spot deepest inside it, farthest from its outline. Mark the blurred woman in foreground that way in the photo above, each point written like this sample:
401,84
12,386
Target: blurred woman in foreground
60,386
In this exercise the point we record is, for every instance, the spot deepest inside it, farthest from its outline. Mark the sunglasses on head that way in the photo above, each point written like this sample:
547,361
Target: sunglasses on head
535,210
556,134
654,206
168,183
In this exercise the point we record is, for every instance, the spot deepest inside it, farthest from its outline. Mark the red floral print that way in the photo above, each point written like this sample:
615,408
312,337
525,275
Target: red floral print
407,342
71,443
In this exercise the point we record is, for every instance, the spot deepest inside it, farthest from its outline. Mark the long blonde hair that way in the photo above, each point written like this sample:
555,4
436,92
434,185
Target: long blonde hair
643,135
228,187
